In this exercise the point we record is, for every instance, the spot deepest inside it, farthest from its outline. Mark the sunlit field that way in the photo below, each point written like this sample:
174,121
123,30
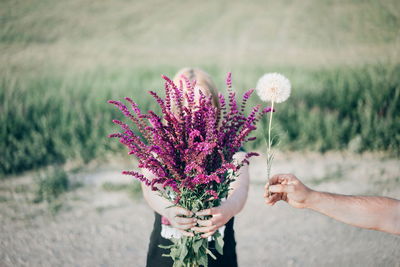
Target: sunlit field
60,62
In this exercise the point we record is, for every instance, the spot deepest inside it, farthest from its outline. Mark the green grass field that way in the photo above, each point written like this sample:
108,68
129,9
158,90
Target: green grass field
60,61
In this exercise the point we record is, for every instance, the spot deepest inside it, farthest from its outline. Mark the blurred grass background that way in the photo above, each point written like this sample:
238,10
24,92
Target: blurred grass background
62,60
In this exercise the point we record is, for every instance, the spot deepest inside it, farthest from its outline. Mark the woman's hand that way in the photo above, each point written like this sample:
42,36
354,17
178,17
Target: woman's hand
229,208
177,216
179,219
220,216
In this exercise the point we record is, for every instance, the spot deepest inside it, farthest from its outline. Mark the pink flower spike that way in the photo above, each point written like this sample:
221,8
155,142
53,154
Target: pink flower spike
229,80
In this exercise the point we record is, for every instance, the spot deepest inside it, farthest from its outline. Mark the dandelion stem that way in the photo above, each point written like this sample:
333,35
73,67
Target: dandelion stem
269,152
269,128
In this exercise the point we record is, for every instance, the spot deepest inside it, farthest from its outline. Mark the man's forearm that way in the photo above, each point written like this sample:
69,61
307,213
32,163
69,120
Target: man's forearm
377,213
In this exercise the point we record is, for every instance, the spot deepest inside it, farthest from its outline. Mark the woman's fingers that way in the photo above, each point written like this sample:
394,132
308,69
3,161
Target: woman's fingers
182,211
210,222
184,221
211,211
180,218
206,229
207,226
185,233
182,226
206,235
204,212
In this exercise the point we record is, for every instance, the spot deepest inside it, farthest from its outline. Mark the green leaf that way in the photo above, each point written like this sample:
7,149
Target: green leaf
165,247
203,260
175,253
184,252
210,253
196,245
219,243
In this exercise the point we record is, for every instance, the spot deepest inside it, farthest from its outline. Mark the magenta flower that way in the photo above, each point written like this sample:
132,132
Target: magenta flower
189,147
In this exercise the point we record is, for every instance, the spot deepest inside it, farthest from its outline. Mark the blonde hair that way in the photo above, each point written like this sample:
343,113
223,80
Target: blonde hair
203,83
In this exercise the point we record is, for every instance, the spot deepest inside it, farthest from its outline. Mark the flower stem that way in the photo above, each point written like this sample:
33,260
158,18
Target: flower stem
269,150
269,129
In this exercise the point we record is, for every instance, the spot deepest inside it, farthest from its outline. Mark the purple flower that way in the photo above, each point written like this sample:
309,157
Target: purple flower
190,146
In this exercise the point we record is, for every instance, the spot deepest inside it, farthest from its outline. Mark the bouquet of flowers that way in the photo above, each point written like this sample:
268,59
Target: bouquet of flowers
189,148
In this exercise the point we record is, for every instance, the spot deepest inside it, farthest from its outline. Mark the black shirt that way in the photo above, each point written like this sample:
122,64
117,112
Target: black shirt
154,258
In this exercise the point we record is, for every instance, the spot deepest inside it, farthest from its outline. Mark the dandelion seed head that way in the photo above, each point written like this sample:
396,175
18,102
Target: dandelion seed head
273,87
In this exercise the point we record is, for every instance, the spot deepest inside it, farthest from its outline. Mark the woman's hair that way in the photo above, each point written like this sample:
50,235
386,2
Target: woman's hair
203,83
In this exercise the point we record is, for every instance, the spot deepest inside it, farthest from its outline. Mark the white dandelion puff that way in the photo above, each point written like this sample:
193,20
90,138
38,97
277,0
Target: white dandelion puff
273,87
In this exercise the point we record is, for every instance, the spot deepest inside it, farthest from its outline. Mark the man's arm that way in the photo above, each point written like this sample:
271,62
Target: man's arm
377,213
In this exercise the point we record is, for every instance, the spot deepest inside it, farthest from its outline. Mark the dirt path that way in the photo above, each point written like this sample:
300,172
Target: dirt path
101,228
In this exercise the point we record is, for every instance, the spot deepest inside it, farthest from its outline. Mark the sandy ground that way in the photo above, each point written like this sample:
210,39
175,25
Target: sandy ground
99,228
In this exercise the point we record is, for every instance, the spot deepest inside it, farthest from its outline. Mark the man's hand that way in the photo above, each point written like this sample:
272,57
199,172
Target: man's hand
180,219
377,213
288,188
220,216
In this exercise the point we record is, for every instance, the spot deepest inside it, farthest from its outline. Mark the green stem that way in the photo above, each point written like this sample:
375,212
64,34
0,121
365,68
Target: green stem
269,140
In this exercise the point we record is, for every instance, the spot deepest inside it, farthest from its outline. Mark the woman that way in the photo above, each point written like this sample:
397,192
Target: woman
172,221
